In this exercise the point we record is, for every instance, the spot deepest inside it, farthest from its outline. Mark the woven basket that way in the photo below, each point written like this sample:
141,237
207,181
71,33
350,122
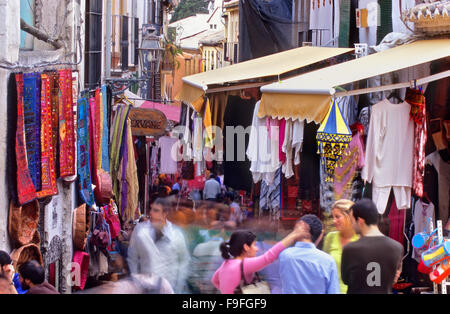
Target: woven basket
430,18
80,227
23,222
25,254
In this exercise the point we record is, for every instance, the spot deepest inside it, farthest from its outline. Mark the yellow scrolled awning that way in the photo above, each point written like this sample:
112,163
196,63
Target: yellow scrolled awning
196,86
307,96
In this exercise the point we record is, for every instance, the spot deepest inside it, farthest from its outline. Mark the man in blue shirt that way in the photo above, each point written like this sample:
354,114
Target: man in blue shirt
304,269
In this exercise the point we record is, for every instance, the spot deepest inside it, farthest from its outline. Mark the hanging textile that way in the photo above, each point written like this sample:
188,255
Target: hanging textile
32,118
396,223
84,180
49,186
345,171
116,144
25,187
270,197
104,140
309,171
54,85
75,118
66,127
333,138
93,129
129,187
417,101
168,163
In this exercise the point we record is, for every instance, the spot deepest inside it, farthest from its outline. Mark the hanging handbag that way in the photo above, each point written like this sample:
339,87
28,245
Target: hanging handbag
112,218
257,286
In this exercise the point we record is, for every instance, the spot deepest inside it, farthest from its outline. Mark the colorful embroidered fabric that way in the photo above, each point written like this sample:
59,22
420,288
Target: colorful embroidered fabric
84,180
54,86
32,117
74,112
105,134
420,139
416,99
94,137
352,159
49,186
66,125
25,187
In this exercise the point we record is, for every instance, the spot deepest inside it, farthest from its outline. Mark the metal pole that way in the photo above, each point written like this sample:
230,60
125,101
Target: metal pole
108,38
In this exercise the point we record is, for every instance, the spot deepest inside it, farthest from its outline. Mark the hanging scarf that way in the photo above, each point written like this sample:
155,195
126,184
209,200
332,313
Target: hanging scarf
93,145
25,187
32,116
116,145
84,174
416,99
54,86
66,127
104,140
49,186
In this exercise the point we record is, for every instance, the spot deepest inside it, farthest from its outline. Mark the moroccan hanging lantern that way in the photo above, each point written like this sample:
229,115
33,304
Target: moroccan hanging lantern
333,137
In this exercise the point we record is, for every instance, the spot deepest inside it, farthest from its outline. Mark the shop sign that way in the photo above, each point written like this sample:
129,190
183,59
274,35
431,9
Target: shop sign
147,122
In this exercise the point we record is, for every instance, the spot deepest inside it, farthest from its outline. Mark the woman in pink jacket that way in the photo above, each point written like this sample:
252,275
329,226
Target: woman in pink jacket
242,249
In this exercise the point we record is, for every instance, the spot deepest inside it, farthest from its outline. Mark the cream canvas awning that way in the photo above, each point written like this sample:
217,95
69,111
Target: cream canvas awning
308,96
195,86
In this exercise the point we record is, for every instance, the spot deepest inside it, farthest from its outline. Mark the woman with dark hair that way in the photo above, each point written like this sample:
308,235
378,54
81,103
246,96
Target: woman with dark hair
241,248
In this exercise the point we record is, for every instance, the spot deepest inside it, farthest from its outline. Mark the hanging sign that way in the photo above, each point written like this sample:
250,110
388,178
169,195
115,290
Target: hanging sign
148,122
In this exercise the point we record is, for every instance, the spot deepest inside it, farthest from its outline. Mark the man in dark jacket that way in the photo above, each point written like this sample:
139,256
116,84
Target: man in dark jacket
32,277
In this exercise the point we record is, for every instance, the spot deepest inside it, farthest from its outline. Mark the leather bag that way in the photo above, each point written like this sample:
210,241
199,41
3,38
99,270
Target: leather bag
23,222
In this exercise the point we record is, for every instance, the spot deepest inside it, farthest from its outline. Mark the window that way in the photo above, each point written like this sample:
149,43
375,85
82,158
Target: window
27,13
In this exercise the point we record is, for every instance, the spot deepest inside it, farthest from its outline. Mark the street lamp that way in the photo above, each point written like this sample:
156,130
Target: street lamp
150,55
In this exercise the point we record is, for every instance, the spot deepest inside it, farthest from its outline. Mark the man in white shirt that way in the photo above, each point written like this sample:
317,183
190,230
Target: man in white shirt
211,189
159,247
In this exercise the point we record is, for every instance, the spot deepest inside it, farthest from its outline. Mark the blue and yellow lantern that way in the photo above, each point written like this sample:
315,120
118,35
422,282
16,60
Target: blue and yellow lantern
333,137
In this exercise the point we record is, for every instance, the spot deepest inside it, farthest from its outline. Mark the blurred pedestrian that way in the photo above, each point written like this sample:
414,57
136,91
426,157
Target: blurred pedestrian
304,269
372,264
242,249
335,241
32,278
159,247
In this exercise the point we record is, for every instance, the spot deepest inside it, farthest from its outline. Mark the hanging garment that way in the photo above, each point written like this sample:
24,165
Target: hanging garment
270,197
198,137
309,172
396,225
49,186
32,118
443,170
389,154
25,187
259,150
345,171
168,147
84,180
54,85
129,194
349,109
292,145
66,127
